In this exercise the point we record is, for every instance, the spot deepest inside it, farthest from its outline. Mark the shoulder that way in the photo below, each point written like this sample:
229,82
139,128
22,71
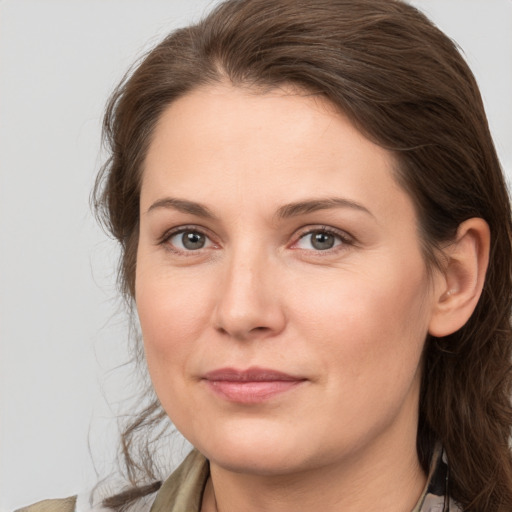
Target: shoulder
59,505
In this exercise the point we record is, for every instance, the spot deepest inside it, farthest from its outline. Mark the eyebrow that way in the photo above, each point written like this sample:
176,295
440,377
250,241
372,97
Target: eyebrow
184,206
284,212
314,205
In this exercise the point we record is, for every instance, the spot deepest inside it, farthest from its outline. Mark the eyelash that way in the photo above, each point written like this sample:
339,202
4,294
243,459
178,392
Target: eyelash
343,238
165,239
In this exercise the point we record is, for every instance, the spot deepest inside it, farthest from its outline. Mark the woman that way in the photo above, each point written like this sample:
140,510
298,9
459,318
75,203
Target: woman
316,236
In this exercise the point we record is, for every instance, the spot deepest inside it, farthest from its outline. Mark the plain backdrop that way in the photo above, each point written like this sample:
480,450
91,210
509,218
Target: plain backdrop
62,328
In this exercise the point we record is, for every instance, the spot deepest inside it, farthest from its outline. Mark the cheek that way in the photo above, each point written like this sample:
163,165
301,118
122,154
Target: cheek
369,330
172,314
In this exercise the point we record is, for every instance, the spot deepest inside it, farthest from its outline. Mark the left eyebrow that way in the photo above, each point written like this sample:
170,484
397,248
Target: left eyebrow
314,205
182,205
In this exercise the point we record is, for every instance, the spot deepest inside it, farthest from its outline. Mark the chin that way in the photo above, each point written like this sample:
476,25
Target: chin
268,450
259,461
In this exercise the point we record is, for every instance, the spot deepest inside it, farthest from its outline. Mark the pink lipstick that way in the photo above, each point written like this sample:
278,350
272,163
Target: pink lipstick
251,386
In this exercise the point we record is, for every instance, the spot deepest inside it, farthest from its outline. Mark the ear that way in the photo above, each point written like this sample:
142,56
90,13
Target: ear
460,285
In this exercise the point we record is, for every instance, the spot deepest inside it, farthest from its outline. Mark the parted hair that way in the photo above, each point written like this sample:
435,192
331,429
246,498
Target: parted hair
406,87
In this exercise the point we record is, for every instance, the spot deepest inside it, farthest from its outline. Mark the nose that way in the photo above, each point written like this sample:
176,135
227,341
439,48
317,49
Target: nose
248,304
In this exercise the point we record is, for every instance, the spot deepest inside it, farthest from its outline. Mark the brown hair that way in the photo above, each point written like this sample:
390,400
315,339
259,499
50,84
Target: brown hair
404,84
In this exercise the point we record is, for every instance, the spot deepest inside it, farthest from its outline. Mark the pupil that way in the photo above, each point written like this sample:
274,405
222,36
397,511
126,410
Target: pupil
322,241
193,240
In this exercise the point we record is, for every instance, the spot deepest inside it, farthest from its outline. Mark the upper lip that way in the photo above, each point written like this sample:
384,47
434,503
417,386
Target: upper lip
253,374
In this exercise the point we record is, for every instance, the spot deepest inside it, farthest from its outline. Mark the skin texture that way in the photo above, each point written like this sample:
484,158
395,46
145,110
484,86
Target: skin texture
348,322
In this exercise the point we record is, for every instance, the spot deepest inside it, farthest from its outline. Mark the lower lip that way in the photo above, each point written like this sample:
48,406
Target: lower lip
252,392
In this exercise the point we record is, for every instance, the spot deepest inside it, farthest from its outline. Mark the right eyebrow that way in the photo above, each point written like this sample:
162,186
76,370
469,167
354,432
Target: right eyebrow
314,205
182,205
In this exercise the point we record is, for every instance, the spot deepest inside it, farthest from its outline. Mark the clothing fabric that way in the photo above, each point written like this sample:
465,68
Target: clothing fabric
183,490
436,496
62,505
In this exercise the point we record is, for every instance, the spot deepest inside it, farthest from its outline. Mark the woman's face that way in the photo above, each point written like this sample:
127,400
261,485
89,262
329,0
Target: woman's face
280,284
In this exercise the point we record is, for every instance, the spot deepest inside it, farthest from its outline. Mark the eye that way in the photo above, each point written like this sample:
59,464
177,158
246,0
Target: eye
188,240
321,240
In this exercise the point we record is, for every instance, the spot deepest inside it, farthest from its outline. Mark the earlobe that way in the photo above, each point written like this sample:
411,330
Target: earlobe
460,285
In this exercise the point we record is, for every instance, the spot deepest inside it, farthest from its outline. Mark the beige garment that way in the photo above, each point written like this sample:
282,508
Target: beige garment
183,490
62,505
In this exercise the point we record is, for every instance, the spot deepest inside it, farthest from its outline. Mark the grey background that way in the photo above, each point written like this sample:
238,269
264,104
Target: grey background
62,329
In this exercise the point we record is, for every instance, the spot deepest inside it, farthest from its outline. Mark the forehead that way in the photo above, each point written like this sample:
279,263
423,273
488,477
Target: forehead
227,144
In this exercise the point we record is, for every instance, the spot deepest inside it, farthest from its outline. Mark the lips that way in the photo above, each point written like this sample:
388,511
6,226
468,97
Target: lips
251,386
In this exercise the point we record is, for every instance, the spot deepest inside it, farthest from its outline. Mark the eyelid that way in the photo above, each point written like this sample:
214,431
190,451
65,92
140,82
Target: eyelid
164,239
346,238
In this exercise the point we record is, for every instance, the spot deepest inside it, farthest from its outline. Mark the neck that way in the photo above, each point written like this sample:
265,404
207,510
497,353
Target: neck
383,479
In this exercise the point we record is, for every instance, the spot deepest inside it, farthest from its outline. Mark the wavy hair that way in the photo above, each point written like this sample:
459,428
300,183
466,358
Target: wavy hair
405,86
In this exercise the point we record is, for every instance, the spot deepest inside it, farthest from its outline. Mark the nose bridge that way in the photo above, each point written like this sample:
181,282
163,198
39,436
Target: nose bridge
248,302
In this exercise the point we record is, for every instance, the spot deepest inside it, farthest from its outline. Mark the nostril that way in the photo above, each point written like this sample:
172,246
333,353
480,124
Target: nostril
221,330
